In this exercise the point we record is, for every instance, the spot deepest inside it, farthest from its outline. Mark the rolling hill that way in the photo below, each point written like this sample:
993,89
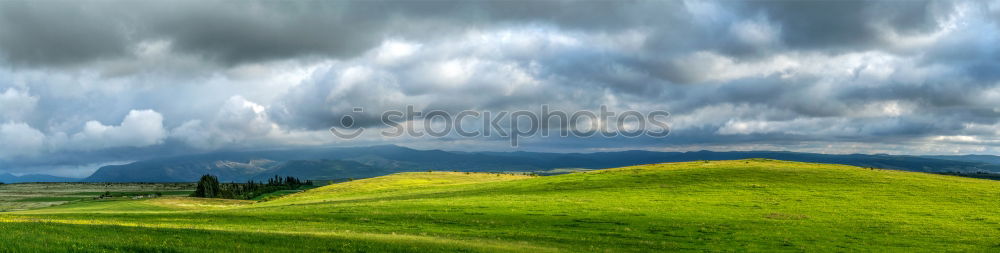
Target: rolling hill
752,205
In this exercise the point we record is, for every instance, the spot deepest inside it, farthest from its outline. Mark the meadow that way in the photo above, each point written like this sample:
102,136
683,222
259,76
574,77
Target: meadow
24,196
742,205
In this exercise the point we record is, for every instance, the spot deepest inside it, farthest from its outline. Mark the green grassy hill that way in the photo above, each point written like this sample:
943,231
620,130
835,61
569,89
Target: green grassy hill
697,206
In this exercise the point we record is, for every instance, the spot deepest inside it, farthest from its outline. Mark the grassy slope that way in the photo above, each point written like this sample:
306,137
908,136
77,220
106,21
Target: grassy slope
752,204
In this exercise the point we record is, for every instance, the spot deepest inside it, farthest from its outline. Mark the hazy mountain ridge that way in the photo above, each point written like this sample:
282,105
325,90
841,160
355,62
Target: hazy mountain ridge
324,170
992,159
360,162
10,178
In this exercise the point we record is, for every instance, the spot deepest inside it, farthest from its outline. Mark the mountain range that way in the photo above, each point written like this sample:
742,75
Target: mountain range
362,162
9,178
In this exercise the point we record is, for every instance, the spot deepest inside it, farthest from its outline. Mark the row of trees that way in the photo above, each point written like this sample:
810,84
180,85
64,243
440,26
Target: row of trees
977,174
209,187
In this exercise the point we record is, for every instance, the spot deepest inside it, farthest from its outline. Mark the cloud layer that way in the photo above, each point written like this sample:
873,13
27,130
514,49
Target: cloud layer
82,82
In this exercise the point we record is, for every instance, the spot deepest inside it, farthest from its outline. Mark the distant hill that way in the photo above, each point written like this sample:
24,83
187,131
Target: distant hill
325,163
992,159
323,170
9,178
361,162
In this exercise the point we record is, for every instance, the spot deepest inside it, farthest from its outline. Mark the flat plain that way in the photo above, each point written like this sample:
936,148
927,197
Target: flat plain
26,196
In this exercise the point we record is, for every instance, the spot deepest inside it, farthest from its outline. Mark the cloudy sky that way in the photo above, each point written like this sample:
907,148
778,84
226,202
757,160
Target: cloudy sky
86,83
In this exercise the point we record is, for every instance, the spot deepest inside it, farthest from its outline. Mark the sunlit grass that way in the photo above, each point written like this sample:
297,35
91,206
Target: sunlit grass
761,205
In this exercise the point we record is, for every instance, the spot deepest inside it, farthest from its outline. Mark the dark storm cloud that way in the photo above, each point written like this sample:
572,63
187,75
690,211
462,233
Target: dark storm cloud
848,25
250,31
46,32
52,33
237,32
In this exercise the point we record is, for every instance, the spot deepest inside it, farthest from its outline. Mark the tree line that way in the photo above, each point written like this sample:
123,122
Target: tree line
209,187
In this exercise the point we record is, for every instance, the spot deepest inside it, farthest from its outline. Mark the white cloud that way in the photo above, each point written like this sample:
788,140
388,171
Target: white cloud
140,128
237,122
15,105
20,139
757,33
393,52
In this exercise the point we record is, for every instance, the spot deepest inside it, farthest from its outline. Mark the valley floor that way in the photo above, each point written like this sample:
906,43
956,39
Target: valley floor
743,205
24,196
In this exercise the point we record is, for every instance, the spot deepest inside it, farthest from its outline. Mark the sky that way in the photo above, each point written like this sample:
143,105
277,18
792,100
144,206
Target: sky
90,83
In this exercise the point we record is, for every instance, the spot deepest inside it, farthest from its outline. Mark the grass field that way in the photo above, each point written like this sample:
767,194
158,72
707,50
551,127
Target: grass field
26,196
747,205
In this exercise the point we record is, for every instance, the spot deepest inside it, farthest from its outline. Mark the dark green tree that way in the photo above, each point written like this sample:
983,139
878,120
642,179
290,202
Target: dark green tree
208,187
